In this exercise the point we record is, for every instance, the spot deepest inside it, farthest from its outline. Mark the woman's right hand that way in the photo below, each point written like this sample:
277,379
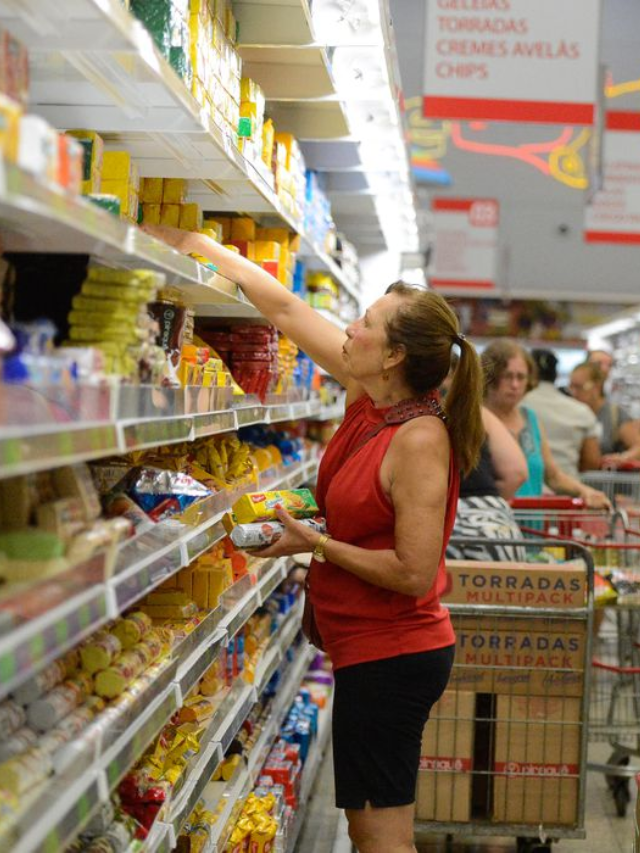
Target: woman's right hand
594,499
183,241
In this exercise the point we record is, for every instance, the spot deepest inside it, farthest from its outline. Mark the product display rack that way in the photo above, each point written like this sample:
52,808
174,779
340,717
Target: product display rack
180,415
93,65
168,548
94,765
148,110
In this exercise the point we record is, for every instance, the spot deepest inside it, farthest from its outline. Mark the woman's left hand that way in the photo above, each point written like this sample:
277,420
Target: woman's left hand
296,539
595,499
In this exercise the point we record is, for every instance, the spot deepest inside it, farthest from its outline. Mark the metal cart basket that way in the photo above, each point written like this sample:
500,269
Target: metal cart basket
504,752
614,716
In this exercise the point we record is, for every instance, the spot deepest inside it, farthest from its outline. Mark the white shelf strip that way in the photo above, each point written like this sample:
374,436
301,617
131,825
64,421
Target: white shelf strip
25,450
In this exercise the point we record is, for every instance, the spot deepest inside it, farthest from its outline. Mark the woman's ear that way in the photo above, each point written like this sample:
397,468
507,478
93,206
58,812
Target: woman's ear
395,356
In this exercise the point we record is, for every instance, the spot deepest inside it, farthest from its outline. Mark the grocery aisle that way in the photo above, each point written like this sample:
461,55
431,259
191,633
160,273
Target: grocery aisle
325,829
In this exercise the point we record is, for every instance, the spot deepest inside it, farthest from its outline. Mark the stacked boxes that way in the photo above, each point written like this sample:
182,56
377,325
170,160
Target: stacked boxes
120,178
164,203
515,694
537,760
217,67
446,759
251,122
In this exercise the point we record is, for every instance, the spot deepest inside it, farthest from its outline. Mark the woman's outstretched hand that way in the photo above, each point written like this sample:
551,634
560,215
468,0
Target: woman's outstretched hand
183,241
595,499
296,539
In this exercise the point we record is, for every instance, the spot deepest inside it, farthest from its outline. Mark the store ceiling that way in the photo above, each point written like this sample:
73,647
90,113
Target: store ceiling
542,251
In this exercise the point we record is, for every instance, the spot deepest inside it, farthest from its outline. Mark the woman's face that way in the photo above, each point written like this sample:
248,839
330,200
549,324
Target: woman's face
367,347
583,388
512,384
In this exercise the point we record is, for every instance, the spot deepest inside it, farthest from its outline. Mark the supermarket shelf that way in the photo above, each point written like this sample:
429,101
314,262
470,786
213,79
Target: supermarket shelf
169,547
286,23
38,218
319,259
92,765
246,775
166,416
311,767
146,107
39,641
101,756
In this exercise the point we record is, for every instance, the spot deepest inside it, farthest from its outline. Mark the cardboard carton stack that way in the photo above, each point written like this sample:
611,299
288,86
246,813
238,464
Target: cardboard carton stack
504,742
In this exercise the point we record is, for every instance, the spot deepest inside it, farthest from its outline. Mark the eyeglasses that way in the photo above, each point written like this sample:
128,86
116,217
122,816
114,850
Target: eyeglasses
515,377
576,386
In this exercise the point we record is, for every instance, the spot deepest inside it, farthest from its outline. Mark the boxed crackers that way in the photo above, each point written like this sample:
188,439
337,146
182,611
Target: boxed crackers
444,779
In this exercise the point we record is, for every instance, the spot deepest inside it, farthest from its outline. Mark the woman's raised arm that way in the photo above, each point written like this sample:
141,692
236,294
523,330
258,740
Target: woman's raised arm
316,336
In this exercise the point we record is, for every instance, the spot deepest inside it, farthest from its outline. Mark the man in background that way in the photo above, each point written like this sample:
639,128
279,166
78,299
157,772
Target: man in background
572,428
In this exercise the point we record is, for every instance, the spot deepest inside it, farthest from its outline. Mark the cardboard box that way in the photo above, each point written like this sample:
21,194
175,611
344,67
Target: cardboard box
537,760
535,656
444,778
516,584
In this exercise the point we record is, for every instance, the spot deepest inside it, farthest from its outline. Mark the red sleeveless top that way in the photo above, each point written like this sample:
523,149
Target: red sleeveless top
358,621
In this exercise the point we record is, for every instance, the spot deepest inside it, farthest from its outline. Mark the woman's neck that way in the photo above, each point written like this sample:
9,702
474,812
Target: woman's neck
387,393
505,413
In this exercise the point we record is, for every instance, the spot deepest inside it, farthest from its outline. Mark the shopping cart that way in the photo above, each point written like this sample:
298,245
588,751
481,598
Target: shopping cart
505,750
614,716
621,485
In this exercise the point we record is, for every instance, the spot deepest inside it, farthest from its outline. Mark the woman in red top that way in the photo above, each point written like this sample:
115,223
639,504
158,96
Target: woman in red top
390,502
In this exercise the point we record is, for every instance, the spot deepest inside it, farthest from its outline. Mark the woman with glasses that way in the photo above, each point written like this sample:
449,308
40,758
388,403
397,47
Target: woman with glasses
509,372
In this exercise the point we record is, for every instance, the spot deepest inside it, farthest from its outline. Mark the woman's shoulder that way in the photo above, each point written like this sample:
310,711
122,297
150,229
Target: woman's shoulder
423,433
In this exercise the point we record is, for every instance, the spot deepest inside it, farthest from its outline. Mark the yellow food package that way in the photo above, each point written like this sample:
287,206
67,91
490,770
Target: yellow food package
266,250
170,215
175,191
124,191
151,213
117,166
287,141
190,217
211,233
10,113
278,235
151,190
93,146
261,506
268,142
243,228
221,225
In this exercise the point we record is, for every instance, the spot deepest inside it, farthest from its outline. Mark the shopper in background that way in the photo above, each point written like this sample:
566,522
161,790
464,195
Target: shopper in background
389,495
509,373
483,511
571,427
620,434
603,358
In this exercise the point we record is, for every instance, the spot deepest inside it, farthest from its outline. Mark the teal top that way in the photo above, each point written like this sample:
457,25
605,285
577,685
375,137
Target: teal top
530,441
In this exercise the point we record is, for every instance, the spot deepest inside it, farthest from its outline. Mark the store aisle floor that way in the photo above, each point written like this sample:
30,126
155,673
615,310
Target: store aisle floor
324,830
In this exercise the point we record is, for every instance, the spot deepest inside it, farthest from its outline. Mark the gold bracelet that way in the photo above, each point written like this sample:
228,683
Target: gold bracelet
318,551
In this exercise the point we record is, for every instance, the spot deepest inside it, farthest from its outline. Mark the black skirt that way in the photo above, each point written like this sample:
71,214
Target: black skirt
379,711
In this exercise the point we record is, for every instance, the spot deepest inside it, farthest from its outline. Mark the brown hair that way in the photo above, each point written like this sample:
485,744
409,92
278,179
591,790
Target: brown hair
426,327
594,372
497,356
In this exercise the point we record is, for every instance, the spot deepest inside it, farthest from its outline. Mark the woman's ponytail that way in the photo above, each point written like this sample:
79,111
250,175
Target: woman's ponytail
463,405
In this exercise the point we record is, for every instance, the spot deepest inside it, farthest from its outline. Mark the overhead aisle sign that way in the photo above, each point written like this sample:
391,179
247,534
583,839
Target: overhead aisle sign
512,60
466,243
613,216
